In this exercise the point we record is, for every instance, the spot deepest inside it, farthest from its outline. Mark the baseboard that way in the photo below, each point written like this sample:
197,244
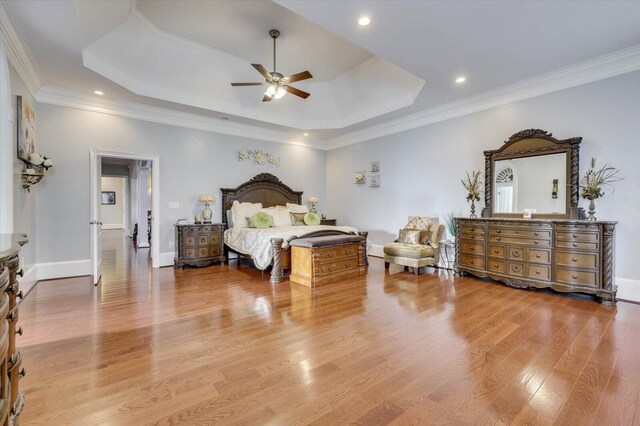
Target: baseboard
28,280
72,268
166,259
108,226
628,289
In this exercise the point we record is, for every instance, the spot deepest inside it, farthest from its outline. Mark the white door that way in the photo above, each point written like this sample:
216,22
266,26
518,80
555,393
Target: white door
96,217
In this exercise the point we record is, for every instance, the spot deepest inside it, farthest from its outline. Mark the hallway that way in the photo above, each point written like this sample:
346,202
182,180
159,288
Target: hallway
120,258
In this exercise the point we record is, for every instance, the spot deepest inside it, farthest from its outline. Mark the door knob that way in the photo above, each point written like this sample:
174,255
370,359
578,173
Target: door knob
20,272
19,331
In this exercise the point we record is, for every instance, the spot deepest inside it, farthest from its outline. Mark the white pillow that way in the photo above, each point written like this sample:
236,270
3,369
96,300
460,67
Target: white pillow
297,208
279,214
241,211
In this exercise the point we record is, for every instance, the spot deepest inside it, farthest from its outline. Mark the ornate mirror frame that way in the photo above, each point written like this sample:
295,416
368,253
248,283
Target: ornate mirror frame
530,143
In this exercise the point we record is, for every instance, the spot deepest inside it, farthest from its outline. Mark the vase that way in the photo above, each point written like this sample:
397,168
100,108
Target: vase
473,208
592,210
206,213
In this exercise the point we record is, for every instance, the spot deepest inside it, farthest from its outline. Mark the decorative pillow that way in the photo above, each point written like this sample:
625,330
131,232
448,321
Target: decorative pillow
241,211
425,237
297,219
311,219
262,220
281,217
417,222
297,208
409,236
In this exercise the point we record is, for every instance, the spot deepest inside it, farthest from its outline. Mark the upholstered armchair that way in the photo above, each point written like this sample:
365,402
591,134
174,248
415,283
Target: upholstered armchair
413,251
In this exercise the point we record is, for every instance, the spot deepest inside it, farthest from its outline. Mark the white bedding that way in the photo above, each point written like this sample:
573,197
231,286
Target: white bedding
257,242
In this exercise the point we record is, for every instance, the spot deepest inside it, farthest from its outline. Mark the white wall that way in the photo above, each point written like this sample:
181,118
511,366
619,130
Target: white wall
421,169
113,214
192,162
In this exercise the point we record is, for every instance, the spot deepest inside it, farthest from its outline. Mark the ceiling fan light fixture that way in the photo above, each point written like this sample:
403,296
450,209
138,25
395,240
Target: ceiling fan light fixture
271,90
280,92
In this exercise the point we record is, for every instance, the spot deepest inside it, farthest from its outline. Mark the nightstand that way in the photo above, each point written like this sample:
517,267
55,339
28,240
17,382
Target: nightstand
331,222
199,244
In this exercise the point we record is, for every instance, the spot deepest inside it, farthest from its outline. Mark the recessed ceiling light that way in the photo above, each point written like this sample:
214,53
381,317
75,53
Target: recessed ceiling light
98,92
364,21
305,134
461,79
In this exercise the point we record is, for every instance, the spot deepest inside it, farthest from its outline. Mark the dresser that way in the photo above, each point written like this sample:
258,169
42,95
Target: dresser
565,255
11,399
199,244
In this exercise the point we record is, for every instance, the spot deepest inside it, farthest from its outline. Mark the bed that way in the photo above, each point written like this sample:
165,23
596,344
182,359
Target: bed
270,247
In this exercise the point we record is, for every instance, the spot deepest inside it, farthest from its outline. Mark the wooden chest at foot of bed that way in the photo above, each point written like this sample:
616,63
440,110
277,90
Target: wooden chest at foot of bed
323,260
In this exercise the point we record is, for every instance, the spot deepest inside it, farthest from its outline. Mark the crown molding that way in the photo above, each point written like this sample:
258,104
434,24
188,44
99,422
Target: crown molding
602,67
18,51
58,96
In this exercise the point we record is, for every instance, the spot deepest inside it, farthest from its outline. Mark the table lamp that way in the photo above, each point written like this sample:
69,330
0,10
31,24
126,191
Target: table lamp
207,213
313,201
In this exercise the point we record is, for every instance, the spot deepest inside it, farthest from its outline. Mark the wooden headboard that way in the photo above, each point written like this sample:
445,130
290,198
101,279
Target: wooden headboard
264,188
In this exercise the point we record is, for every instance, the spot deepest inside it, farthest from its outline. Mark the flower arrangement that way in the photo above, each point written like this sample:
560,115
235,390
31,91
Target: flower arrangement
472,184
41,160
594,180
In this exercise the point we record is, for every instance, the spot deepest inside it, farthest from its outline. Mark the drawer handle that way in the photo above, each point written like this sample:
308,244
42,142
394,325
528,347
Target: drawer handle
20,272
574,236
330,268
537,272
538,256
574,259
574,276
330,255
496,251
575,244
22,373
535,233
20,295
516,232
536,242
472,248
498,239
472,236
516,253
19,331
495,265
499,231
347,265
515,268
471,262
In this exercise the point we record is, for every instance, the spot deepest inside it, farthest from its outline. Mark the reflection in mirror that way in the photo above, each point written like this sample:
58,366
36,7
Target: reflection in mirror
528,183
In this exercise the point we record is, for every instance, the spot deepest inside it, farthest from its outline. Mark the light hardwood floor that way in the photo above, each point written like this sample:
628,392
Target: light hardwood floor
220,345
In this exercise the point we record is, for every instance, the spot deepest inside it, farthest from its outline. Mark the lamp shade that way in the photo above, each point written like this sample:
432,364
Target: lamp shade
313,199
207,198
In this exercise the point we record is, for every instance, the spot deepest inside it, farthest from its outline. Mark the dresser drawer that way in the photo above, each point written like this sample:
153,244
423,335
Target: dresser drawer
331,253
190,253
570,276
472,237
469,261
203,252
522,233
577,260
585,237
495,265
538,256
539,272
472,229
497,251
515,268
577,245
472,248
518,240
190,241
338,265
516,253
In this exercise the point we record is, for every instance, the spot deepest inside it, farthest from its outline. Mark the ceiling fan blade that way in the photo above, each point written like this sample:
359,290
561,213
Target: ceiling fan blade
298,77
262,70
266,98
247,84
297,92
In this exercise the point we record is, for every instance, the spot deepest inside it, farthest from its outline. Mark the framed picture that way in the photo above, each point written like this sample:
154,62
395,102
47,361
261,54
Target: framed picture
26,129
360,177
374,166
108,197
374,181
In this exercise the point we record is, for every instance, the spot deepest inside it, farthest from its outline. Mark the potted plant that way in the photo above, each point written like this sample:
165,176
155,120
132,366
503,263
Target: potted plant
450,222
593,181
472,185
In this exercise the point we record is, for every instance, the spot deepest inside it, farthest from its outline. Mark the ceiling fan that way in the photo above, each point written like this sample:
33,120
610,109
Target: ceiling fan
277,84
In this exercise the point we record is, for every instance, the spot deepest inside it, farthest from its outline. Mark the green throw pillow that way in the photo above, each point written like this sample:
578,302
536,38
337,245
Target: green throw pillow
262,220
311,219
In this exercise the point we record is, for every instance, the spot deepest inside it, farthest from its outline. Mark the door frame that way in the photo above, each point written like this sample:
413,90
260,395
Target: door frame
96,155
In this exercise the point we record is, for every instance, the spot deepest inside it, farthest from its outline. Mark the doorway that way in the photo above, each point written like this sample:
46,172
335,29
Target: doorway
139,205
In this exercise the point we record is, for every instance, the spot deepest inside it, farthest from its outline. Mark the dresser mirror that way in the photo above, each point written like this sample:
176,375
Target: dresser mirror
533,171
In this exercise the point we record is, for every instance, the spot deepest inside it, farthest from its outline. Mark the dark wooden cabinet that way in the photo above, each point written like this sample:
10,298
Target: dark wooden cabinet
11,399
331,222
199,244
566,255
